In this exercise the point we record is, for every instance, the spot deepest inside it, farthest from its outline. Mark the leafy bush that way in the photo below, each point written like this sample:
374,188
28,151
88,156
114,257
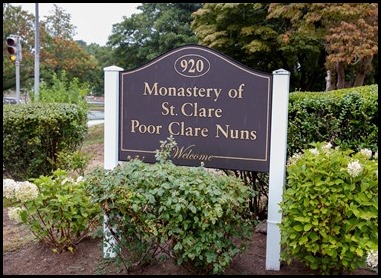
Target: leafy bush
57,209
190,214
330,208
347,118
62,90
34,135
73,162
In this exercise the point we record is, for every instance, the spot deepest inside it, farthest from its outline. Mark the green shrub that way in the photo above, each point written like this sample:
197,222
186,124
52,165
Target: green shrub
57,209
330,208
190,214
347,118
34,135
73,162
62,90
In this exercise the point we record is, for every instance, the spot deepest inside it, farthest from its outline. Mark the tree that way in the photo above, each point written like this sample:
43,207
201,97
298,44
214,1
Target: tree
159,28
243,32
353,44
103,55
17,22
348,31
58,24
58,53
302,38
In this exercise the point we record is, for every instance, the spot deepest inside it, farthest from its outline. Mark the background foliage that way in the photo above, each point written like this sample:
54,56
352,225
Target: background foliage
34,134
307,39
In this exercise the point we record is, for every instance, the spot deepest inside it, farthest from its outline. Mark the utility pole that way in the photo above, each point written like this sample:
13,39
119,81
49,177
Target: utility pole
36,55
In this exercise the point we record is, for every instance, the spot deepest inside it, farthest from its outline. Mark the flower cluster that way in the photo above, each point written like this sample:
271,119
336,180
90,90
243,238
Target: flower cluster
314,151
27,191
9,187
19,191
366,152
372,258
14,214
292,160
164,153
354,168
327,147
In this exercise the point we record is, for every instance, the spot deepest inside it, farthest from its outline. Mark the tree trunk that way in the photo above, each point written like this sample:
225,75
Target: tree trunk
363,68
340,75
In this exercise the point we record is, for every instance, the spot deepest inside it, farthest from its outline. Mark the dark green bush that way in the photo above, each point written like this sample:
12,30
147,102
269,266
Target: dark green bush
347,118
34,135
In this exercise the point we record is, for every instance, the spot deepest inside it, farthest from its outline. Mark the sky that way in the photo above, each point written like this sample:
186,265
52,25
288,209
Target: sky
93,21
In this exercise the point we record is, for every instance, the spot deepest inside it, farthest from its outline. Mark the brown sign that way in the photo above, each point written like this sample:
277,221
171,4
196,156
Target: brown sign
218,110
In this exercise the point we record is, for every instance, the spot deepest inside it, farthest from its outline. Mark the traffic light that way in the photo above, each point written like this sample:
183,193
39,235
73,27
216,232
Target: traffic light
14,48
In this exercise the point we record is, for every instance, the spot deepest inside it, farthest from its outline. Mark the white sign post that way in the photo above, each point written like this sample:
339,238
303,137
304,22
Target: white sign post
111,103
277,173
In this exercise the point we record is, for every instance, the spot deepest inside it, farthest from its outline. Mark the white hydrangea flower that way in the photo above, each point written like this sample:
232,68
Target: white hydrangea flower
174,193
294,158
372,259
327,146
375,156
376,173
26,191
14,214
67,179
314,151
366,152
80,178
354,168
9,187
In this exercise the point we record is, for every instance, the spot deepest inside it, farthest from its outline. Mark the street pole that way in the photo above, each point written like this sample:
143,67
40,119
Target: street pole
17,81
37,56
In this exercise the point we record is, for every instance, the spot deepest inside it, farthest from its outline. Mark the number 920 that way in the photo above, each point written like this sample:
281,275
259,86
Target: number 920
192,65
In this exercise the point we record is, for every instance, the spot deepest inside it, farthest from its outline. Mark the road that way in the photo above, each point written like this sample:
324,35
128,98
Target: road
94,122
95,118
95,115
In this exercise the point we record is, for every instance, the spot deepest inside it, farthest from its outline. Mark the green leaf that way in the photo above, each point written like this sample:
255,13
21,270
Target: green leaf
298,228
307,227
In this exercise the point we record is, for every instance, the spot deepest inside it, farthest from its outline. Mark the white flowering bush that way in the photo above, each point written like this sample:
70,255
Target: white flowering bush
57,209
372,259
330,208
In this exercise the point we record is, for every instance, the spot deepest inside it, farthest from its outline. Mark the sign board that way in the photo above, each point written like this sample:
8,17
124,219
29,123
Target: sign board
218,110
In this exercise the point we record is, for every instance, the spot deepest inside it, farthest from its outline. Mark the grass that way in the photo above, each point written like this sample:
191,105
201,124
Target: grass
96,107
95,135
